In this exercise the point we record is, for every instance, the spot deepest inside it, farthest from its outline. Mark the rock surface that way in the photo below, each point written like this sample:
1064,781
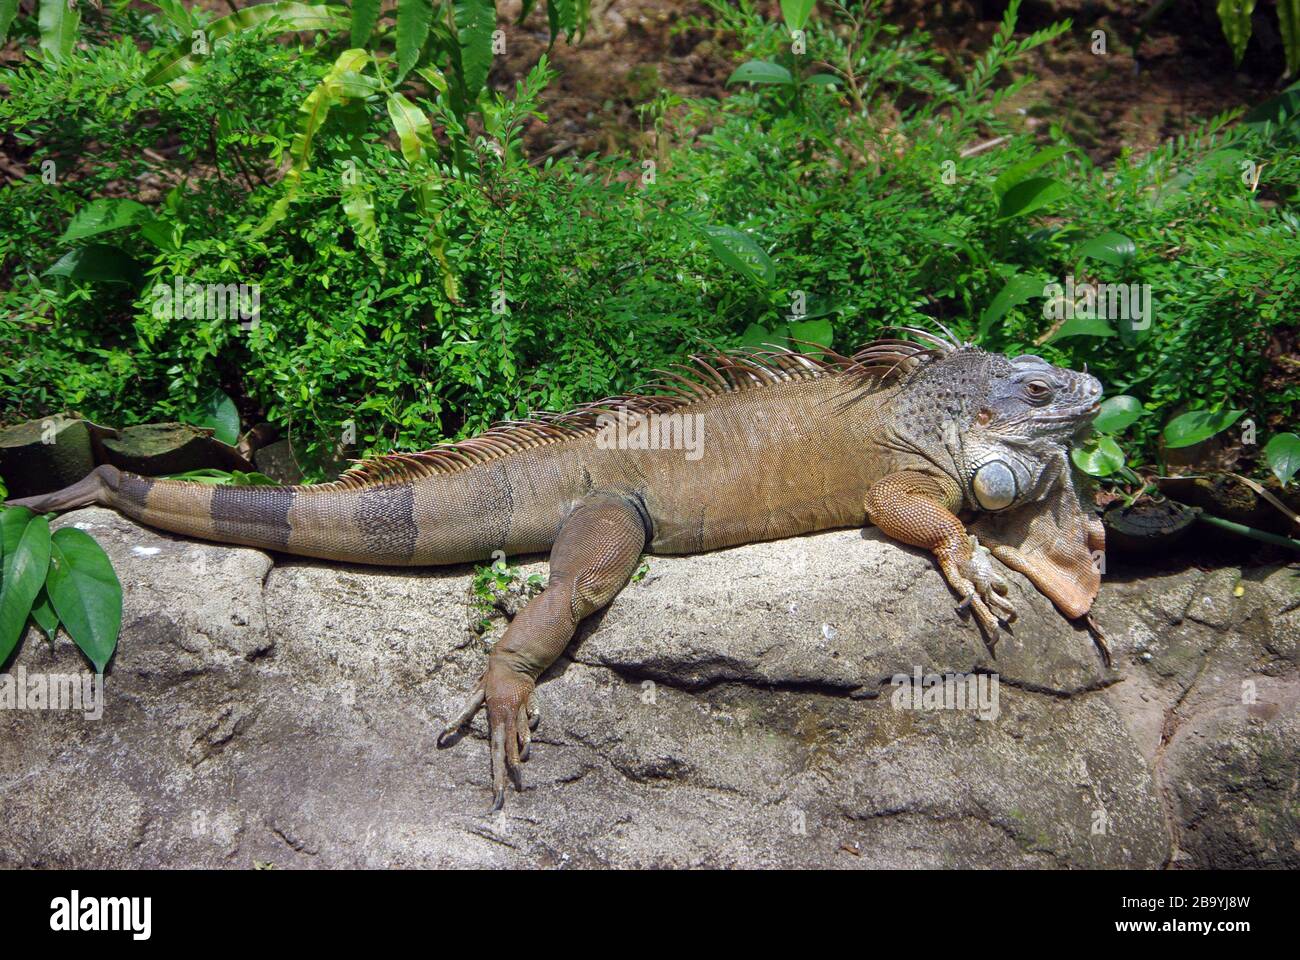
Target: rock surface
731,709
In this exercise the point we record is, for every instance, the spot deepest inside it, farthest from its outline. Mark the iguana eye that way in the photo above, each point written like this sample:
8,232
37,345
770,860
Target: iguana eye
1038,389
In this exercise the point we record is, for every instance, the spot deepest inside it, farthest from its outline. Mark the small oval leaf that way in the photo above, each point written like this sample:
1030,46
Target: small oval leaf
1283,456
761,71
1117,413
1099,457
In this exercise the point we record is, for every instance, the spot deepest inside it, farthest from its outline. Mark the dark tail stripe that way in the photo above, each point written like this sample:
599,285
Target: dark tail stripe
386,518
260,514
132,492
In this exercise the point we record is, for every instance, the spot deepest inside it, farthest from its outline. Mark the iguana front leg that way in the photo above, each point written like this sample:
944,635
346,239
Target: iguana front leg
917,508
594,555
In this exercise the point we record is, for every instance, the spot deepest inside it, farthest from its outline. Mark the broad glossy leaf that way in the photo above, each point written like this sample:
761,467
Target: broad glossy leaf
1282,454
1100,457
413,19
218,412
1029,195
819,332
1117,413
13,521
738,250
97,262
23,579
85,593
1017,290
1017,172
1197,426
1113,248
43,615
103,215
760,71
1083,327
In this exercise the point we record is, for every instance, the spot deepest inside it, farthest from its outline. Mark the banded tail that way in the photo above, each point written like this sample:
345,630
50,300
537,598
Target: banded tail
389,524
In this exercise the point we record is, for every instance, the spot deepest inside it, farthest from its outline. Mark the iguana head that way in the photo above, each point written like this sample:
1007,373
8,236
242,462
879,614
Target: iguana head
1028,417
1000,426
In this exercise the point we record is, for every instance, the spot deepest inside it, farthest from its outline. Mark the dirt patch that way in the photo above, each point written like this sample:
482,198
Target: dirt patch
1152,82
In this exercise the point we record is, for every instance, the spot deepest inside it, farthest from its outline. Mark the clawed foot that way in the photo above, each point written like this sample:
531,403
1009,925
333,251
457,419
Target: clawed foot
983,591
512,716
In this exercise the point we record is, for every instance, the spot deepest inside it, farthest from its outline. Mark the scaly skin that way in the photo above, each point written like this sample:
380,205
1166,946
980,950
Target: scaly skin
899,435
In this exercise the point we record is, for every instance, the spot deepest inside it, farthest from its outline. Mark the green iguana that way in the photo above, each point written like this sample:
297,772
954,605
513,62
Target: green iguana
904,435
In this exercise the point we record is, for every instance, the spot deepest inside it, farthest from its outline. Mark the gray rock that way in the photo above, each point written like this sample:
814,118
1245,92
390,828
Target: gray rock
731,709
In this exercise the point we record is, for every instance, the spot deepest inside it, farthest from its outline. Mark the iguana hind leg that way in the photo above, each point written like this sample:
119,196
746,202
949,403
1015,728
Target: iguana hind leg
594,555
917,508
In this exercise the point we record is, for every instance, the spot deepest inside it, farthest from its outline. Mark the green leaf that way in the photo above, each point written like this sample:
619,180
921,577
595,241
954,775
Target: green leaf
1288,21
359,206
1030,195
738,251
1234,17
85,593
1117,413
413,19
1017,172
295,16
13,521
1278,112
58,27
819,332
8,10
1197,426
562,15
44,616
1017,290
365,14
796,12
1112,248
215,477
103,215
96,262
475,21
1283,456
162,234
1083,327
218,412
414,132
343,81
760,71
22,582
1099,457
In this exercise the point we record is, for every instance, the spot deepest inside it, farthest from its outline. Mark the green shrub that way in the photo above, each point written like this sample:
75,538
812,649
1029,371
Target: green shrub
416,283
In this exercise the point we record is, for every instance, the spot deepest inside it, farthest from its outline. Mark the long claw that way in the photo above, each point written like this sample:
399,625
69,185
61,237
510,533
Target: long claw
498,764
524,730
465,716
